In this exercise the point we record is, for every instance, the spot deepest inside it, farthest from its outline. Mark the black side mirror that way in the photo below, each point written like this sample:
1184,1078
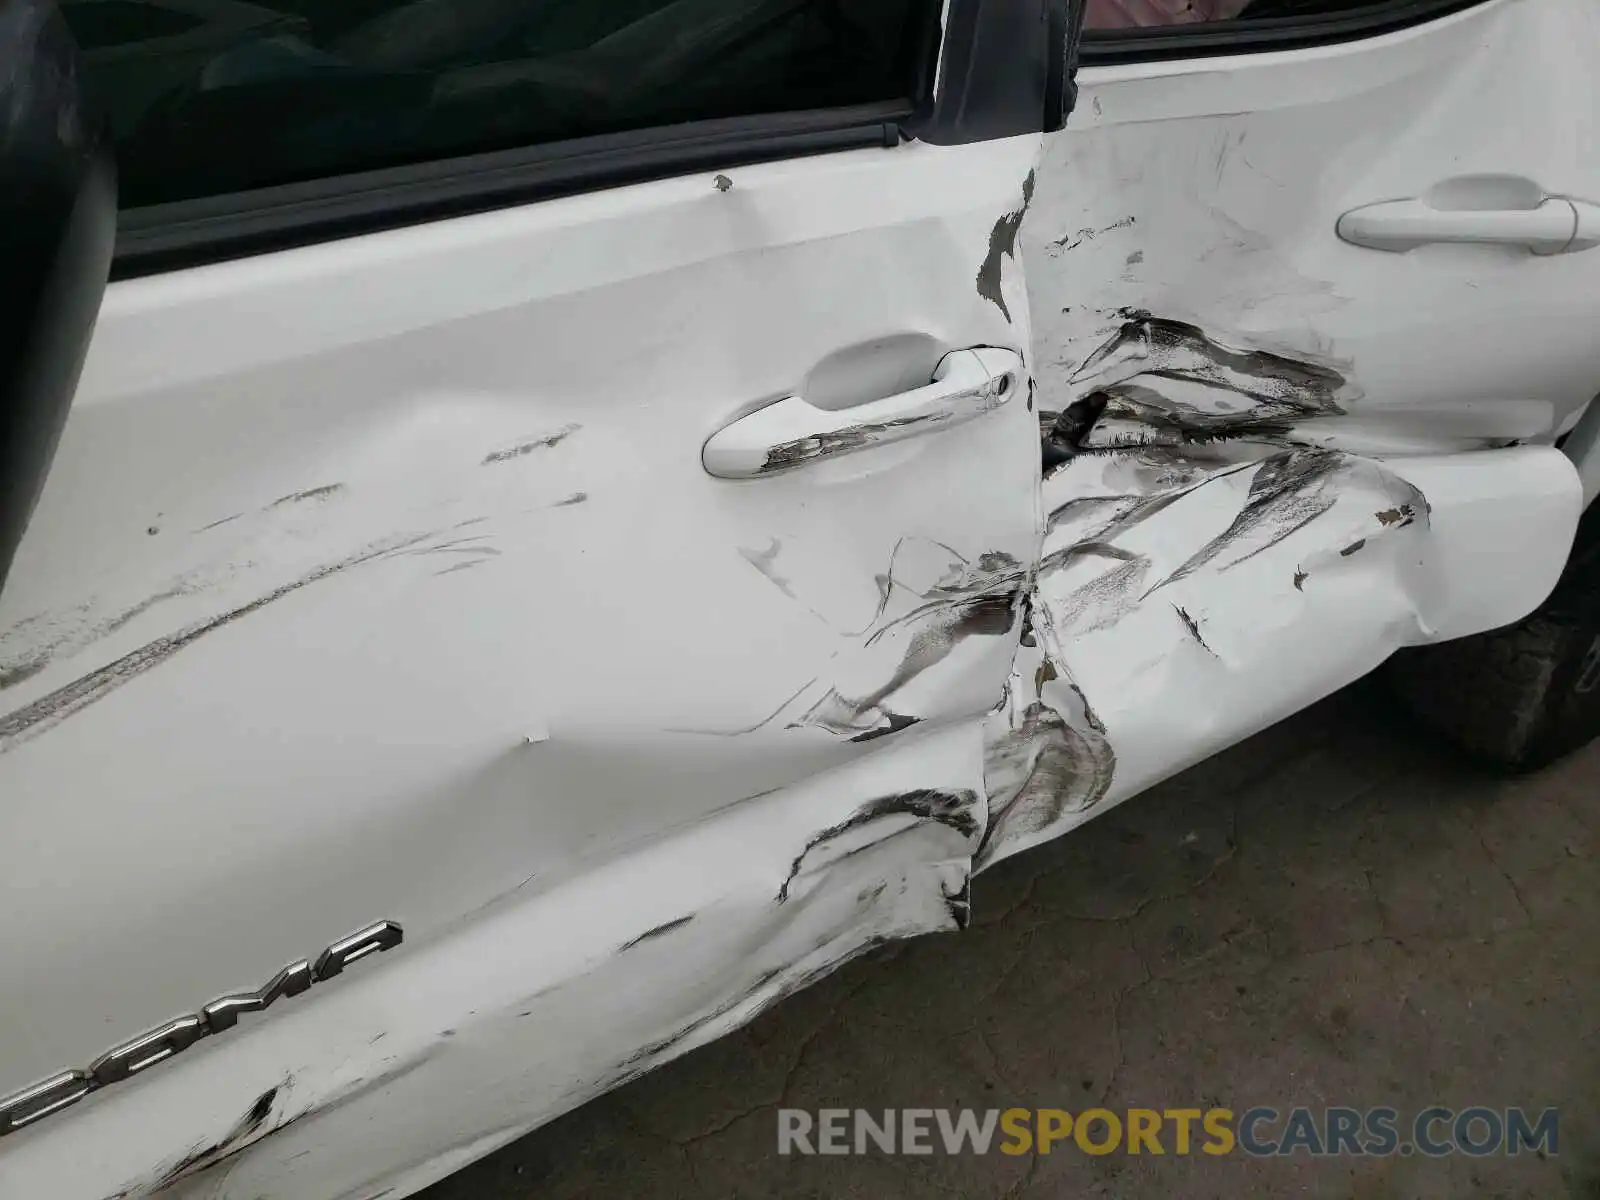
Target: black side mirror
58,218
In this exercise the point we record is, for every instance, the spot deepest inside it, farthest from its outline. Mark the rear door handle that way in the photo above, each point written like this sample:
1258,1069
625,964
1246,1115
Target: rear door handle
793,433
1485,210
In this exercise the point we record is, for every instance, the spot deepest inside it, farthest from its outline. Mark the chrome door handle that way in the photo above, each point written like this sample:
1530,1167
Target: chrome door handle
793,433
1486,210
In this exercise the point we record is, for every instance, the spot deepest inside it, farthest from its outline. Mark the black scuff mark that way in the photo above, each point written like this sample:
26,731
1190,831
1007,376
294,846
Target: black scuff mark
48,711
250,1129
1071,241
24,669
1062,436
655,932
1105,599
1063,760
1134,259
222,521
867,897
1253,392
1352,548
1164,411
575,498
897,722
973,599
1104,518
1002,245
543,442
80,638
324,492
943,626
181,588
258,1124
462,566
953,809
1193,626
461,546
788,455
1288,493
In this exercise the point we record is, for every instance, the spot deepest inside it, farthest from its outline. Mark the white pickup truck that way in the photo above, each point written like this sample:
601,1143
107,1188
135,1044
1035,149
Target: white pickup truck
577,517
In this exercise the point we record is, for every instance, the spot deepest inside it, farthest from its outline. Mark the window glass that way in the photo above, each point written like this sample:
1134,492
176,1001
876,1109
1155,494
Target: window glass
214,96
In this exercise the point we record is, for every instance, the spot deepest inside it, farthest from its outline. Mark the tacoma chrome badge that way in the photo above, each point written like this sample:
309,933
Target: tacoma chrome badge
130,1058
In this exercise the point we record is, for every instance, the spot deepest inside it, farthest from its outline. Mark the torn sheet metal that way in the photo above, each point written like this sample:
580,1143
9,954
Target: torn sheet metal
1208,566
1170,579
496,654
1263,472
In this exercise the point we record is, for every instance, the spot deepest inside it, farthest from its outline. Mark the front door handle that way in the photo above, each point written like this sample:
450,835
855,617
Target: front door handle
1491,210
793,433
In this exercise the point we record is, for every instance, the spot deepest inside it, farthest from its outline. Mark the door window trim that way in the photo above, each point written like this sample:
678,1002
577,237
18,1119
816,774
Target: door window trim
1007,71
166,237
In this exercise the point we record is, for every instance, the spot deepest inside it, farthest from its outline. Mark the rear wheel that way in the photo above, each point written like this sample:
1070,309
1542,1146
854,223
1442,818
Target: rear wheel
1520,697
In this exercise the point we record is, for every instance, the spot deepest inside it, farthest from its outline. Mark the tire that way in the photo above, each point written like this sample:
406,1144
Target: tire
1518,698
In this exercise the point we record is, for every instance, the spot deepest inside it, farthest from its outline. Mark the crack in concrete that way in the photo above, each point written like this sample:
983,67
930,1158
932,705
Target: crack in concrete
1516,892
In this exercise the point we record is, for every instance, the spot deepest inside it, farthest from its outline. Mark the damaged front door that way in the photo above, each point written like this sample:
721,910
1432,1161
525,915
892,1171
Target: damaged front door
1276,450
607,589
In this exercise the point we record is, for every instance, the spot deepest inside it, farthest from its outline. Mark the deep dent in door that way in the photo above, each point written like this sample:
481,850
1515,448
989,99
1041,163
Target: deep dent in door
1190,530
880,849
1182,518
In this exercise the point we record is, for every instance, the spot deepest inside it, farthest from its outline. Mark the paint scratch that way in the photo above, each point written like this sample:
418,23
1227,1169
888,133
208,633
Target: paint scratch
50,710
543,442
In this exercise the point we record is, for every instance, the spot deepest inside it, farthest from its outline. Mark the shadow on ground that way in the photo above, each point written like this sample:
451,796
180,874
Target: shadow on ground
1336,912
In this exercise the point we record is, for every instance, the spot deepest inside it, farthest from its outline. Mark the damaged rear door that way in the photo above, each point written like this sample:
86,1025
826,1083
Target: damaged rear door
586,561
1314,294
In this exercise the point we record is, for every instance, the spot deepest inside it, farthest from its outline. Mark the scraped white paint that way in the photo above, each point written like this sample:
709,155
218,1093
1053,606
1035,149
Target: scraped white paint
415,602
1183,264
1208,191
382,580
1171,665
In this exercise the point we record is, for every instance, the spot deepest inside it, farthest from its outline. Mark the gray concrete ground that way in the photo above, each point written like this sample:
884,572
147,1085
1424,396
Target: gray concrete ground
1335,913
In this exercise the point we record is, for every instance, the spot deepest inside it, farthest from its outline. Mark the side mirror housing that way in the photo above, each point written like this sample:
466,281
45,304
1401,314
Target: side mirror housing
58,216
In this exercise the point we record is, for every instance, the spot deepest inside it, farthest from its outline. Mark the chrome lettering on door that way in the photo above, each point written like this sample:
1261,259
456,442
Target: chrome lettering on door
165,1041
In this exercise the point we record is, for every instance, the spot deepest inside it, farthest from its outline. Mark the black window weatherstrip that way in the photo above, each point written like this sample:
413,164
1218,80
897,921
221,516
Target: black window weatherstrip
1007,70
192,232
1210,39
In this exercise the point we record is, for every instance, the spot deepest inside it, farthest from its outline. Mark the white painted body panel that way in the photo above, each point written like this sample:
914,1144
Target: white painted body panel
1208,191
434,1054
383,580
1183,606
